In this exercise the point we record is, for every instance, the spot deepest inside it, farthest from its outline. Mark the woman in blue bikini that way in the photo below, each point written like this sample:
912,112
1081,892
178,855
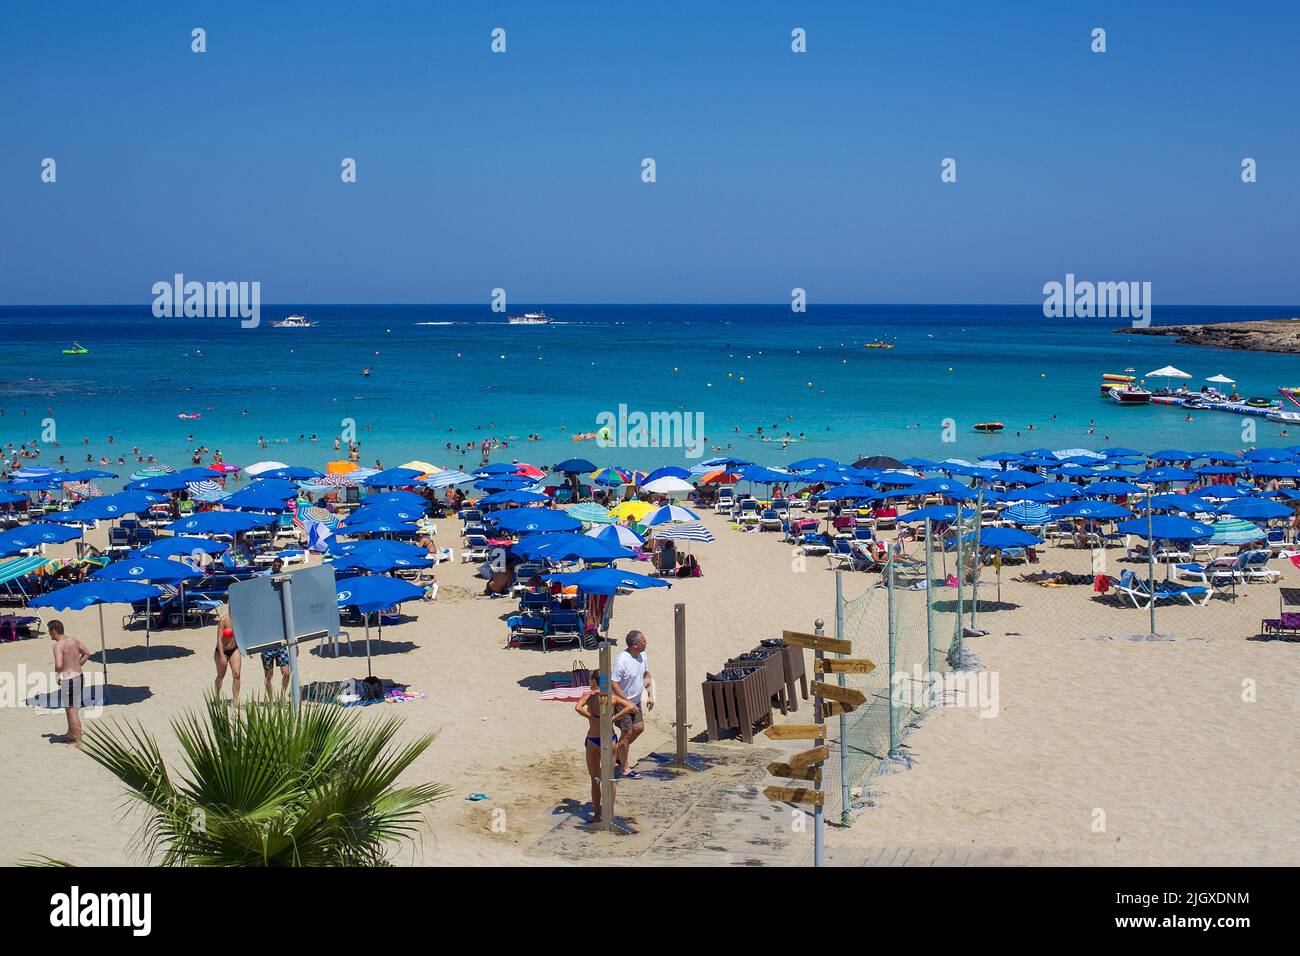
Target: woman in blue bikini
589,707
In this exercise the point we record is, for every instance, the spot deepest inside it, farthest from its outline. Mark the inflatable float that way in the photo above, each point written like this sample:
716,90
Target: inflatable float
989,427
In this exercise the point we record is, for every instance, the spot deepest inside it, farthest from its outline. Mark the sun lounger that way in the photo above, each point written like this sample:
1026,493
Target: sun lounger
814,544
769,520
1137,591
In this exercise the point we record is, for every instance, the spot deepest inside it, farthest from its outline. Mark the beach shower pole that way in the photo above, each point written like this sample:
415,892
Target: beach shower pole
961,597
929,599
844,721
606,731
679,680
819,815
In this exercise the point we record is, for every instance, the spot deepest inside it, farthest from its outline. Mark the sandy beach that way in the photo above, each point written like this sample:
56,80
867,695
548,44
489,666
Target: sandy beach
1154,734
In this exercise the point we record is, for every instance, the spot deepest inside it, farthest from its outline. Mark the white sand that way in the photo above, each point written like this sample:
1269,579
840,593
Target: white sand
1154,734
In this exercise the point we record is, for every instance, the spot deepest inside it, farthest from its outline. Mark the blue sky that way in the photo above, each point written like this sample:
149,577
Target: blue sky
522,170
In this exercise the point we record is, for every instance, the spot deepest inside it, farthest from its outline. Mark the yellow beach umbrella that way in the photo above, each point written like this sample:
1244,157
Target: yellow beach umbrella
423,466
636,510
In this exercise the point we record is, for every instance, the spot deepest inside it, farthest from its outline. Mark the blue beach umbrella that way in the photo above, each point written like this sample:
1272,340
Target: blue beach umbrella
568,547
254,498
937,513
948,487
1166,474
1268,454
220,522
122,503
34,535
1001,539
1018,476
180,546
1225,492
393,514
402,499
1121,453
577,466
1172,454
390,477
78,597
1188,503
850,493
498,468
1256,509
1283,469
88,474
292,473
167,483
507,483
668,471
1097,510
517,520
379,526
1112,487
513,498
606,581
812,464
1166,528
374,593
765,476
379,562
151,570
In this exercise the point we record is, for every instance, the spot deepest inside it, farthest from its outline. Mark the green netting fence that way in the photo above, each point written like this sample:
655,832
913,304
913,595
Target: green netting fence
908,624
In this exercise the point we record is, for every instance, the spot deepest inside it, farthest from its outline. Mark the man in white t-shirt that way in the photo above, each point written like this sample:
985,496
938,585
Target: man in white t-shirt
633,682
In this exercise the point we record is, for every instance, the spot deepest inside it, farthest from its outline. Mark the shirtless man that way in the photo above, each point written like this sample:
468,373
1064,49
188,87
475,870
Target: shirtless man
70,655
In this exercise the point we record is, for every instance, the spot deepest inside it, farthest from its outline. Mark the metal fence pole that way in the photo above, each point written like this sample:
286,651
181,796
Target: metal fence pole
929,608
1151,567
844,721
819,815
892,636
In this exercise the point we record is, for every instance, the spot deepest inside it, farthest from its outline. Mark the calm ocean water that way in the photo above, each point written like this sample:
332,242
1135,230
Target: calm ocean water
459,373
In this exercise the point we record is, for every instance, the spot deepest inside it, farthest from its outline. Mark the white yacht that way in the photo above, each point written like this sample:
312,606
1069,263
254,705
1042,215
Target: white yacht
529,318
294,322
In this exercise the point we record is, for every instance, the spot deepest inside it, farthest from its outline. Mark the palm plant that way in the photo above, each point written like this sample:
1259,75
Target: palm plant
265,786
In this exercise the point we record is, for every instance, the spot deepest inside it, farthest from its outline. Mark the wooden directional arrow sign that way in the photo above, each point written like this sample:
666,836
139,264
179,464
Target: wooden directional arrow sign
809,757
816,642
796,731
793,795
843,665
832,709
796,773
844,695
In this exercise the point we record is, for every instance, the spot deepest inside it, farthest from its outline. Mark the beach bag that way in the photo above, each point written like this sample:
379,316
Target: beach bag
580,675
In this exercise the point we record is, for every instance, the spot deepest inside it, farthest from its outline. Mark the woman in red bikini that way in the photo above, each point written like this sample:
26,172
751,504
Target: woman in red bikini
227,655
589,707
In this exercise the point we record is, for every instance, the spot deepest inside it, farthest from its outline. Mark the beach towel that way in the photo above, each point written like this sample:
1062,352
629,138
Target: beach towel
1101,583
563,693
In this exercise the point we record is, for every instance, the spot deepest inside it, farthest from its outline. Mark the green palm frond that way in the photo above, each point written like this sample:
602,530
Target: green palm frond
265,786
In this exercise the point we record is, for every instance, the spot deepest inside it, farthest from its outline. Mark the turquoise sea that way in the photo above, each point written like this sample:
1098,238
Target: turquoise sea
456,374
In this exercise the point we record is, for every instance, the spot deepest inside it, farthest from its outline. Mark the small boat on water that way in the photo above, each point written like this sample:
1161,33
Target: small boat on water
77,349
878,345
1130,395
529,318
989,427
1287,418
294,322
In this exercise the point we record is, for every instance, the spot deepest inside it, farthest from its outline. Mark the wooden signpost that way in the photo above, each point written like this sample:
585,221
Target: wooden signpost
828,700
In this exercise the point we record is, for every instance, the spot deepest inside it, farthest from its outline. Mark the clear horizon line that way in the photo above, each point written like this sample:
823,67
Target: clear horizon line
149,304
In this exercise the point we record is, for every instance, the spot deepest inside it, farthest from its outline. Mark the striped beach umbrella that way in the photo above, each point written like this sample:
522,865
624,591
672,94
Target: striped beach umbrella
591,514
1027,512
315,514
687,531
617,534
153,471
205,490
1235,531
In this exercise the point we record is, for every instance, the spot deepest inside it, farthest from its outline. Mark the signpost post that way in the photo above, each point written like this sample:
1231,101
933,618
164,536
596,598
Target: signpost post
271,610
828,700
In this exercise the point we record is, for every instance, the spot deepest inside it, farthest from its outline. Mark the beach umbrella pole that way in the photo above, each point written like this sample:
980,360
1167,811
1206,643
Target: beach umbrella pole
103,650
1151,568
369,672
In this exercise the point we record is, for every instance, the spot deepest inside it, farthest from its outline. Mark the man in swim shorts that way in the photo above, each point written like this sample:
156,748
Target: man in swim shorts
70,655
633,682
